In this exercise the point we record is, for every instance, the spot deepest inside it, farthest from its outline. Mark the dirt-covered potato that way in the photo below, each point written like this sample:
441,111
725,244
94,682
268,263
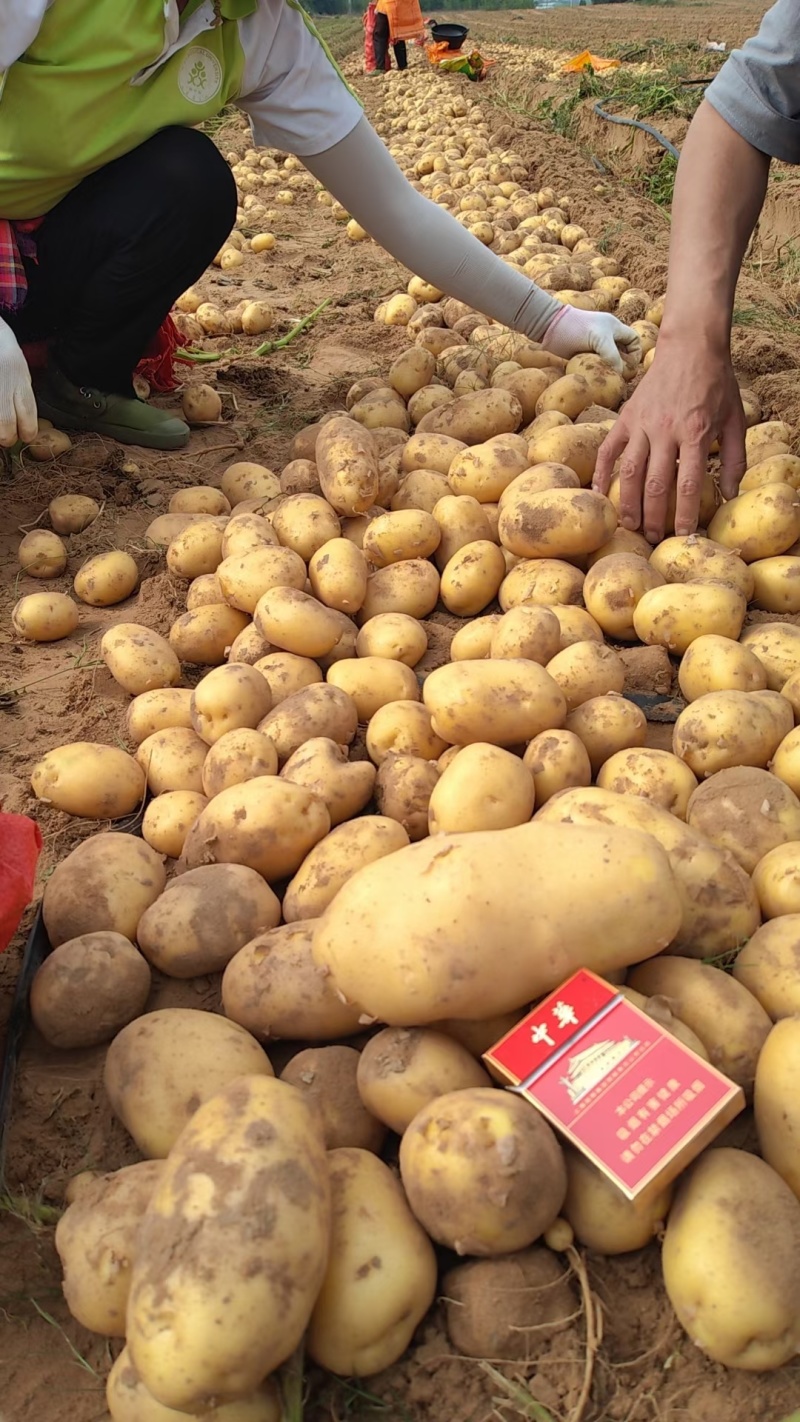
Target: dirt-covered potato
238,756
347,464
245,480
326,1076
86,778
430,451
777,647
769,966
104,884
576,446
393,635
403,728
173,760
676,614
204,637
775,1101
87,989
473,641
244,578
158,710
461,519
776,879
199,499
229,698
295,622
507,1308
532,633
760,523
204,918
607,724
400,1070
338,575
72,513
196,549
585,670
138,658
485,470
603,1219
500,702
714,663
421,489
692,559
129,1400
248,646
161,1067
373,682
322,767
41,554
747,811
483,788
613,588
395,537
287,673
45,617
483,1173
273,988
209,1313
267,824
403,788
106,579
411,587
96,1243
656,775
558,523
168,819
316,710
735,1290
728,728
332,862
557,760
247,533
546,581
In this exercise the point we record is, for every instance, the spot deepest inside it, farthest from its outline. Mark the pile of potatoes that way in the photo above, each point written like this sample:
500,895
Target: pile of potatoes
384,856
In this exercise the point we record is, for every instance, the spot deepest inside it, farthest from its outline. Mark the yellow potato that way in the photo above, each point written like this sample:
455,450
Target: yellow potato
655,775
379,411
248,646
203,637
411,371
737,1298
315,710
569,395
726,728
400,1071
557,760
472,577
129,1400
775,469
777,584
365,1316
403,728
430,397
335,859
485,470
607,724
41,554
45,617
286,673
338,575
394,537
373,682
689,559
393,635
545,581
460,1143
229,698
775,1101
72,513
675,615
484,788
295,622
558,523
500,702
106,579
776,879
322,766
299,476
528,386
421,489
758,524
104,884
777,647
158,710
769,966
244,578
273,988
85,778
576,624
411,587
603,1219
304,523
762,436
473,641
173,760
461,520
347,464
585,670
202,590
714,663
622,540
599,897
746,811
204,918
138,658
246,533
527,632
475,417
259,1132
196,549
244,480
168,819
613,589
430,451
538,479
199,499
577,446
267,824
326,1077
403,787
237,756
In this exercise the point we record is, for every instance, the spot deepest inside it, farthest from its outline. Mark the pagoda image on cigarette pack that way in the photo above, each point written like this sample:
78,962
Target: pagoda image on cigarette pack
590,1068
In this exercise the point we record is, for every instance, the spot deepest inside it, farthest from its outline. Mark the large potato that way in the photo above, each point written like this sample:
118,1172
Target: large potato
335,859
244,578
585,670
726,728
286,673
775,1101
613,588
577,446
296,622
273,988
394,635
775,469
161,1067
96,1243
747,811
777,647
501,702
317,710
209,1269
769,966
430,451
460,520
574,897
777,584
128,1400
267,824
87,989
229,698
558,523
656,775
373,682
538,479
607,724
245,480
411,371
545,581
760,523
476,417
776,879
304,523
483,1173
106,579
557,760
729,1021
471,579
204,918
158,711
197,549
45,617
204,637
106,883
138,658
674,615
605,1220
484,788
322,767
403,788
717,903
381,1275
347,464
485,470
407,533
86,778
402,1070
714,663
529,632
732,1238
235,757
687,559
338,575
411,587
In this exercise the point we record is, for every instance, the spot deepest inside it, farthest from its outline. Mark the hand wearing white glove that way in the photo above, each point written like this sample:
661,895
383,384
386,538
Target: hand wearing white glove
572,331
18,417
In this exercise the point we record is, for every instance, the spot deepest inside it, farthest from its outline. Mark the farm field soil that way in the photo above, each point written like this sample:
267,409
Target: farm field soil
53,1371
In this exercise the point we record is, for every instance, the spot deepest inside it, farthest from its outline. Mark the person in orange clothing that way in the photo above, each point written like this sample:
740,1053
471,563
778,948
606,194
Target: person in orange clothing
396,21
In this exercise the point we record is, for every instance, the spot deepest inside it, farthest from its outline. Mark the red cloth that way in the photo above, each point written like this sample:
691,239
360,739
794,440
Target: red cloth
368,22
16,242
20,846
156,363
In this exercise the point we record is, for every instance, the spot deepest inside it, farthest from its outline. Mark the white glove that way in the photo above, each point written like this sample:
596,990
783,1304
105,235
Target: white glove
18,417
572,331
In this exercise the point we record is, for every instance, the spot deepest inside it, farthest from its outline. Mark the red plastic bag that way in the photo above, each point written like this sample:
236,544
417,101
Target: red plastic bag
20,846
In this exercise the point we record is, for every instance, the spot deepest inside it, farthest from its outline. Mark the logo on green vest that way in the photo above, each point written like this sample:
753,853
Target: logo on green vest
200,75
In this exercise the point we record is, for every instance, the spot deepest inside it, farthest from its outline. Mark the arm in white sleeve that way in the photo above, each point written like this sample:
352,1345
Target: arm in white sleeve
360,172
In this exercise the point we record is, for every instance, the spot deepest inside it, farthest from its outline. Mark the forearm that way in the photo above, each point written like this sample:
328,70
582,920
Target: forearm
719,192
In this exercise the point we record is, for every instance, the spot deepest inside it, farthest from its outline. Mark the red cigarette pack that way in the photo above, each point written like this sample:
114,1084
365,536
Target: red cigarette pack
621,1088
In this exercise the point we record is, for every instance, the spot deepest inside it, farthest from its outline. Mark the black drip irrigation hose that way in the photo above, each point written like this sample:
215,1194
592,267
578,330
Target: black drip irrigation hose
637,123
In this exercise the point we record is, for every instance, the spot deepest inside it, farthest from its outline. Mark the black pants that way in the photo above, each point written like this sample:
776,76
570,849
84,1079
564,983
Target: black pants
380,39
115,253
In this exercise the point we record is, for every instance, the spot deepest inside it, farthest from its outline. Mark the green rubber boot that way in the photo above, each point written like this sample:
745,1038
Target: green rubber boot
120,417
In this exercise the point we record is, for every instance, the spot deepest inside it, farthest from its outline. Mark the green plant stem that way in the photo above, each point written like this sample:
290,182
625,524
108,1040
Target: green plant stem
269,346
